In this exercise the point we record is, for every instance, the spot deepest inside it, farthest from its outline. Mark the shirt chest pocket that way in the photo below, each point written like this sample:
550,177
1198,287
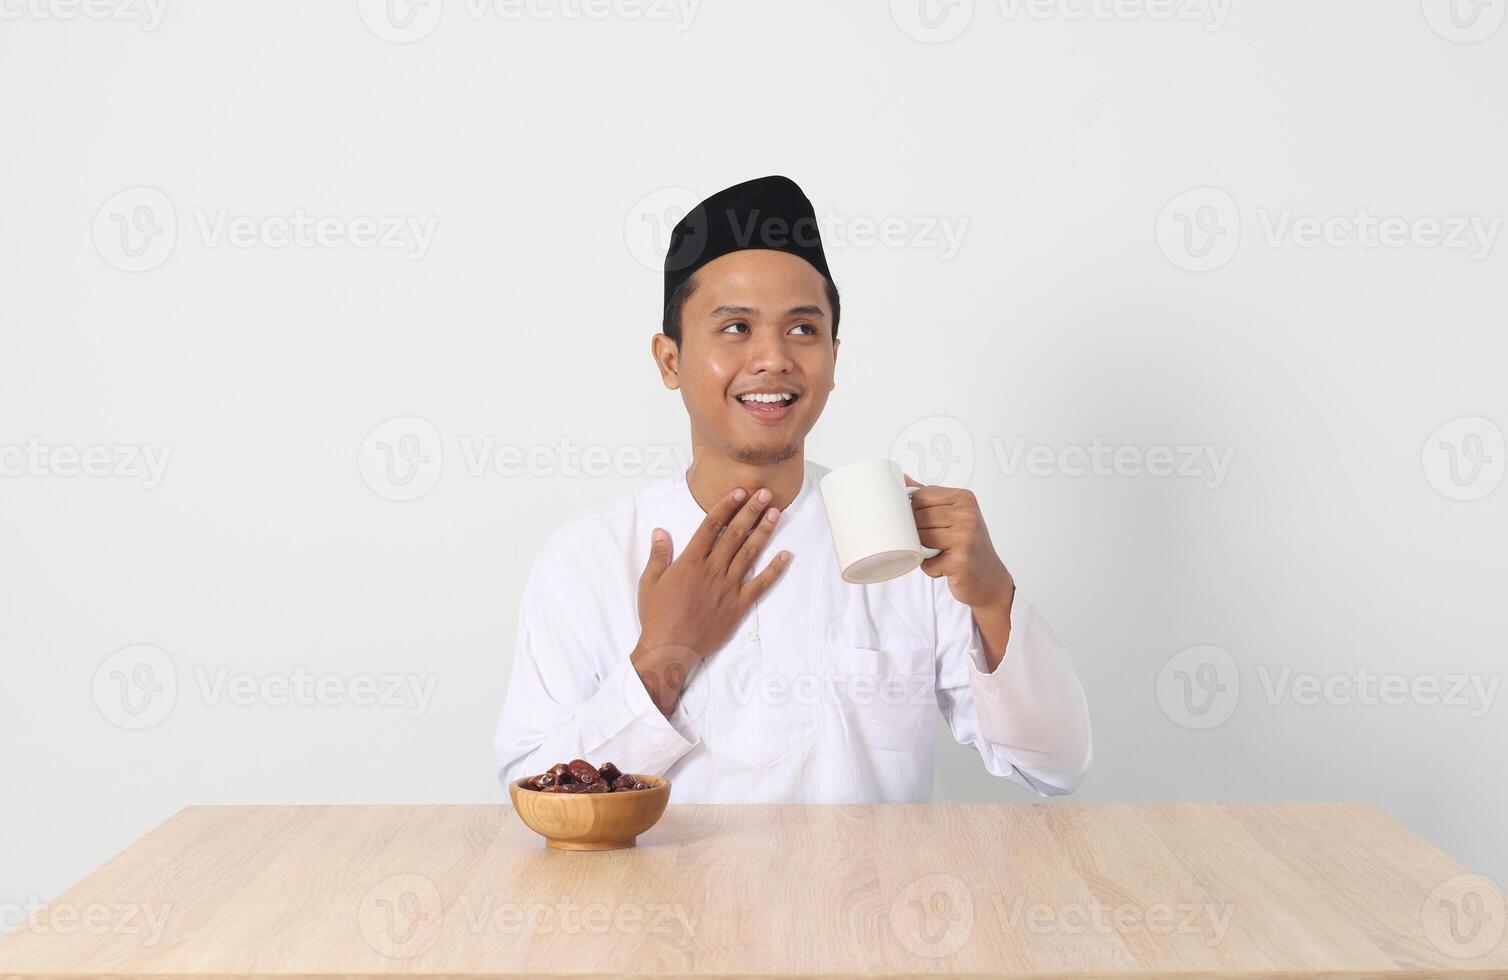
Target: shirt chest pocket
755,713
884,699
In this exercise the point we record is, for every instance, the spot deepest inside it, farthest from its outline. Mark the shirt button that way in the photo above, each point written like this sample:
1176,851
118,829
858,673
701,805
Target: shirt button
752,636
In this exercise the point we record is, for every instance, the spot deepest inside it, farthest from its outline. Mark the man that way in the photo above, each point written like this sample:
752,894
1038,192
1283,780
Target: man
698,628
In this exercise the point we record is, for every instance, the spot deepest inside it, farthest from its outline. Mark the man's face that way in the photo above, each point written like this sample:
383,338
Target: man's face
758,322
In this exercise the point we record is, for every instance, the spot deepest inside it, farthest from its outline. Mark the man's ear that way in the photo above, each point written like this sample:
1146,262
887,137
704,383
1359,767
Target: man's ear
836,342
668,359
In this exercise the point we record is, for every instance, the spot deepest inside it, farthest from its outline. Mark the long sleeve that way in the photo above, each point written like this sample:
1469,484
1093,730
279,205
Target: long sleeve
572,694
1028,718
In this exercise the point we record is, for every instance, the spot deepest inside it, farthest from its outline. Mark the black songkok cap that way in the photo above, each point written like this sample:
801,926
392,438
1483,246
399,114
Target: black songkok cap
770,212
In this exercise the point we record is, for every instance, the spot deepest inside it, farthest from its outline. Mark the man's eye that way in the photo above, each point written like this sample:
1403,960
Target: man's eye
805,326
731,326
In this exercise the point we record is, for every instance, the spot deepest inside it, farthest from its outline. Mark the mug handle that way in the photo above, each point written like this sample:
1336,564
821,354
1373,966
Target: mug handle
928,552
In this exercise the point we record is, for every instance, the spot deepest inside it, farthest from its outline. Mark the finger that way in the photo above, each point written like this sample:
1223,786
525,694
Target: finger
937,566
910,482
738,529
933,517
935,497
756,587
717,518
743,560
659,555
933,537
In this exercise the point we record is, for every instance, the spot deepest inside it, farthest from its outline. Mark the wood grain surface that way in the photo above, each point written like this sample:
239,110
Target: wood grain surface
1198,890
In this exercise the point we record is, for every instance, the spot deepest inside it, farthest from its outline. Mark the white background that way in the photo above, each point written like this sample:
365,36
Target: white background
550,151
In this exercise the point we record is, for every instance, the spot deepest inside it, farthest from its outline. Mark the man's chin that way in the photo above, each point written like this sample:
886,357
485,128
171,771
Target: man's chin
765,455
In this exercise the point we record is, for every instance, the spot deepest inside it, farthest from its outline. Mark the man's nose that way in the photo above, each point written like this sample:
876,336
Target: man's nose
769,353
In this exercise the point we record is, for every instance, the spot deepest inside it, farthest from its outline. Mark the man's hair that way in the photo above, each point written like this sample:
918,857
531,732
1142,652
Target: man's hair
677,305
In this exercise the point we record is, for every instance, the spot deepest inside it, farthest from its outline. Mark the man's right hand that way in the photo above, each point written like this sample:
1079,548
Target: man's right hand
690,606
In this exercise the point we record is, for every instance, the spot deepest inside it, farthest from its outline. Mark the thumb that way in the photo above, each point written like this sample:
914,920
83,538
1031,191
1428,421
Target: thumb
659,554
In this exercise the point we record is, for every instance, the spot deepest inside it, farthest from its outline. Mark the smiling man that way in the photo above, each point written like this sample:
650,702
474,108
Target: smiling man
699,628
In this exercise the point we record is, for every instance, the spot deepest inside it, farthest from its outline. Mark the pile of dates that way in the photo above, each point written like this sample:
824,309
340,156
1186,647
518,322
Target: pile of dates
580,776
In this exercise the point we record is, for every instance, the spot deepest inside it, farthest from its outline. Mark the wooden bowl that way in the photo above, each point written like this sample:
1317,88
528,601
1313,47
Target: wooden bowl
591,821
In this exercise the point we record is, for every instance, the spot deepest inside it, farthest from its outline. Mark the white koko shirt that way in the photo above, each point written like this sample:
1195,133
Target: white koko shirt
824,694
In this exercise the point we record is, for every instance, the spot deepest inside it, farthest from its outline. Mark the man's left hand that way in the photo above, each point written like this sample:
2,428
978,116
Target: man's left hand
949,518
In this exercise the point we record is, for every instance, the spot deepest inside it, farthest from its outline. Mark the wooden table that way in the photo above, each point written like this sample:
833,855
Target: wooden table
1304,889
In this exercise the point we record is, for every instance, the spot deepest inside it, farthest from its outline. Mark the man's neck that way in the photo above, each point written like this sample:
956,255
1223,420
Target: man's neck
712,475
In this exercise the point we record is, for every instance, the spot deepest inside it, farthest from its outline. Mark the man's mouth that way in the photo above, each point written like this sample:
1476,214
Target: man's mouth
768,406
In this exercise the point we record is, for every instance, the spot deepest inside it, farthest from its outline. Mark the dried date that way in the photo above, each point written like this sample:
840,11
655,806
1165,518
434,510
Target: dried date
580,776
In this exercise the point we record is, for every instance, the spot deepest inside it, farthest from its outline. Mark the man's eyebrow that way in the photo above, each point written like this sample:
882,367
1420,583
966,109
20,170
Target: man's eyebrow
750,311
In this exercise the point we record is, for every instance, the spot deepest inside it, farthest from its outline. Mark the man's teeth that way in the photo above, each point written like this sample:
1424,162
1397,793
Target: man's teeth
762,397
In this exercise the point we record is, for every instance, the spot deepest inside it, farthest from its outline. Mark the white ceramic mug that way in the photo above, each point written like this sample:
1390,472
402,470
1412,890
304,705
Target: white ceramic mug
873,528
